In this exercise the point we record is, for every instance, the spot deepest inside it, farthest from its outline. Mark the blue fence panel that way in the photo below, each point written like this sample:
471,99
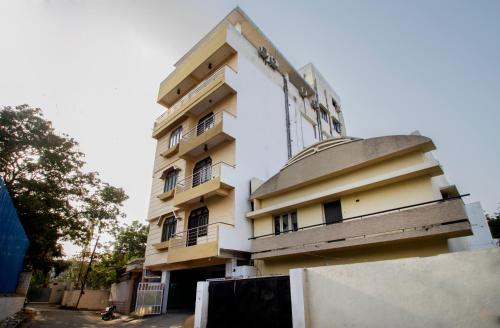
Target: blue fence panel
13,243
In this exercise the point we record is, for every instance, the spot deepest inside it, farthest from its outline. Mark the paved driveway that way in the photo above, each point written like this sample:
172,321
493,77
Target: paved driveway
50,316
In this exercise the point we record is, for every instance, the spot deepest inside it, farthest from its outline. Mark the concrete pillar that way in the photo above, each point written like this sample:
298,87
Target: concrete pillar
230,266
300,315
201,307
165,279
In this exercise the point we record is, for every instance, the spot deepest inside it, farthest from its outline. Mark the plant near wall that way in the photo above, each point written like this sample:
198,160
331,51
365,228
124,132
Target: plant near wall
494,223
55,199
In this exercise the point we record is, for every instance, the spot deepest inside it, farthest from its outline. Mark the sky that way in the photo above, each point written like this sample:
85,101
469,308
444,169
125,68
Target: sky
94,67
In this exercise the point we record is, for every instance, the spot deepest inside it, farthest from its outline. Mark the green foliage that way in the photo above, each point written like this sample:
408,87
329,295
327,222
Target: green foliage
130,243
494,224
54,198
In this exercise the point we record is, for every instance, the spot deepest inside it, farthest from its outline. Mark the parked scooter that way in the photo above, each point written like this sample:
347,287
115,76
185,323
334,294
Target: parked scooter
108,314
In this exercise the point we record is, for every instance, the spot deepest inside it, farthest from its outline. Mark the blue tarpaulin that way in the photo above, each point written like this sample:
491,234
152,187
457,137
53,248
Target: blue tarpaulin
13,242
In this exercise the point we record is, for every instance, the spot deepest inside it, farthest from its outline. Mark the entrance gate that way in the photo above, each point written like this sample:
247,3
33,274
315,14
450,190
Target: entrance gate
149,298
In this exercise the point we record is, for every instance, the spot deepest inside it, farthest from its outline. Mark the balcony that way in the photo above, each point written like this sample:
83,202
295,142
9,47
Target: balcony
207,134
215,181
214,88
443,219
196,243
215,49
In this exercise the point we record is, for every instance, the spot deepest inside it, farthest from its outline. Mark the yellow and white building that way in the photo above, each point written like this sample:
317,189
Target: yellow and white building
350,200
235,109
254,174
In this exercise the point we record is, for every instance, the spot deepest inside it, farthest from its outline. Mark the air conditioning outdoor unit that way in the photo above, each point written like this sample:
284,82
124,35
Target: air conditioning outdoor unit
273,63
263,53
314,104
303,92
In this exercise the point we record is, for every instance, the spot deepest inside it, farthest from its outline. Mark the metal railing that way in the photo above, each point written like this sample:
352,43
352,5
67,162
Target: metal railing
397,209
206,174
204,125
191,94
198,235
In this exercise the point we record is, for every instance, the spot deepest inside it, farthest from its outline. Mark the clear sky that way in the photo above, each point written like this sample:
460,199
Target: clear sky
94,67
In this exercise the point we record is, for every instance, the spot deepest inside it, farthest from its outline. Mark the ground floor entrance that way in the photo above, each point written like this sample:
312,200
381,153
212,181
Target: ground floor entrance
182,287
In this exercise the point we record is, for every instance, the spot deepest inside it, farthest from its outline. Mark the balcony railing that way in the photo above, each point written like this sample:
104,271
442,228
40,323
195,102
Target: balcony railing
444,218
368,215
204,125
204,175
198,235
194,92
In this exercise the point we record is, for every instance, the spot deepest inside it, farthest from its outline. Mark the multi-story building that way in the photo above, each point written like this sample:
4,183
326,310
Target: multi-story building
235,109
254,174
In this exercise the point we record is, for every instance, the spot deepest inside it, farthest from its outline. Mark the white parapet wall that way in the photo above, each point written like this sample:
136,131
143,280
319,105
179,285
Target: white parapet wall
90,300
481,238
10,305
450,290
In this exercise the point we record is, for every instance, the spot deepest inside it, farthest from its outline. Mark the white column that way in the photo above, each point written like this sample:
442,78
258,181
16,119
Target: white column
230,267
165,279
298,297
201,307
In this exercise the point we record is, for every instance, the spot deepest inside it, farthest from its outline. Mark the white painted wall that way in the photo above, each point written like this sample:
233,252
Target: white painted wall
261,148
481,238
449,290
10,305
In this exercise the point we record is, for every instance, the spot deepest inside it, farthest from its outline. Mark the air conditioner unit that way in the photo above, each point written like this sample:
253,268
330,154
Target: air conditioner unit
303,92
273,63
314,104
263,53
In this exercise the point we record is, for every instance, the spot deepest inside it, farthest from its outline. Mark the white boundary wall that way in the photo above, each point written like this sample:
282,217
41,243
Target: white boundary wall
450,290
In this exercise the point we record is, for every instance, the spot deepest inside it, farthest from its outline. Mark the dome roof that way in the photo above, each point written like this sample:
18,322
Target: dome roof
337,156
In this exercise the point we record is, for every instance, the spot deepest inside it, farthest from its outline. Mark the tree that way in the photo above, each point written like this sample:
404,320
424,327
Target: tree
55,199
494,224
129,243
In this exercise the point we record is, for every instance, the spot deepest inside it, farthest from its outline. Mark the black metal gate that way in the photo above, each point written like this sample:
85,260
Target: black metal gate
250,303
39,295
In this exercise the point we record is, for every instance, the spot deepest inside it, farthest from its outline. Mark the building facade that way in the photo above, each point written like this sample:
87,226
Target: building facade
235,109
350,200
254,175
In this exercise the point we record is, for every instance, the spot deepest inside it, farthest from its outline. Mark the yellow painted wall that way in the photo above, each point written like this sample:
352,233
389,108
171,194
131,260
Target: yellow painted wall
263,226
428,247
195,59
400,194
361,174
403,193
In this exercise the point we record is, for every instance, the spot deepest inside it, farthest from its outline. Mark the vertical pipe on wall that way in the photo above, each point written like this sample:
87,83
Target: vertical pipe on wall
287,116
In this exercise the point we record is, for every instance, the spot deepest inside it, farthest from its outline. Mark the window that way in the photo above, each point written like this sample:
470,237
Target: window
285,223
205,123
202,171
175,137
337,126
170,177
324,115
333,212
334,103
168,229
197,225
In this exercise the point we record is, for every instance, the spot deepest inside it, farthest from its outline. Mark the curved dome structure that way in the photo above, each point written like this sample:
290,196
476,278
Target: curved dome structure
338,156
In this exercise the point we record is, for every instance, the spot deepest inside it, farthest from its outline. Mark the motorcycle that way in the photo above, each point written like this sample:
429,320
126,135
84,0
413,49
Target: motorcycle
108,313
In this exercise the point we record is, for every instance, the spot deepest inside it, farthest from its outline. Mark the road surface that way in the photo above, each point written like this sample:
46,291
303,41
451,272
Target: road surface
49,316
